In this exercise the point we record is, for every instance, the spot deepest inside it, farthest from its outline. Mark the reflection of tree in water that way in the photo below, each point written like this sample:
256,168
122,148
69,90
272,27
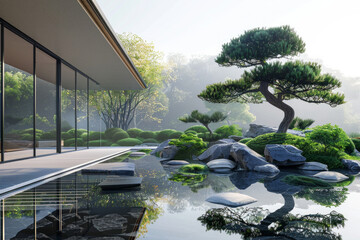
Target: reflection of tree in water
328,197
256,222
195,182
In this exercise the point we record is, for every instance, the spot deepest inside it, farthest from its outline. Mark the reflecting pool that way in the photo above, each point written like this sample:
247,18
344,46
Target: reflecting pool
168,206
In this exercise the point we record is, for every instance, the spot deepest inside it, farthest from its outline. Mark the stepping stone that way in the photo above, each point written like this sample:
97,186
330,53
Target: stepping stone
221,165
114,183
231,199
118,168
177,162
137,154
313,166
331,176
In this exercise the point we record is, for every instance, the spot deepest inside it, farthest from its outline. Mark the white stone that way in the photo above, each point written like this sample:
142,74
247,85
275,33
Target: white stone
221,163
177,162
231,199
137,154
331,176
268,168
313,166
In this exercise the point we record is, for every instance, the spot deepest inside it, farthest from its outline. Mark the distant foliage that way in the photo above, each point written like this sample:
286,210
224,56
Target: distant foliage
164,134
197,129
225,131
301,124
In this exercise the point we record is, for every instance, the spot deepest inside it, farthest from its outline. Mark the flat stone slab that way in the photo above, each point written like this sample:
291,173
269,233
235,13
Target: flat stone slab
177,162
137,154
231,199
115,183
331,176
313,166
221,165
118,168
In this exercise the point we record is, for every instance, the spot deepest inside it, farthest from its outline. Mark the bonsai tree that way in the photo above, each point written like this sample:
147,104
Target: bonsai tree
204,119
275,81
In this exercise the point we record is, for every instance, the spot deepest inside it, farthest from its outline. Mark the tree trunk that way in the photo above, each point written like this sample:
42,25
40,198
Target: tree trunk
208,129
289,112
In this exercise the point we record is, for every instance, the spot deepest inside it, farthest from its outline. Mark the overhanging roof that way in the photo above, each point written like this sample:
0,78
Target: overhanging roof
77,32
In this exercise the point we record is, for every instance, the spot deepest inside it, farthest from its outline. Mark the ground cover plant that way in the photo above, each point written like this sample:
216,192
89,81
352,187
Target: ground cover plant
189,144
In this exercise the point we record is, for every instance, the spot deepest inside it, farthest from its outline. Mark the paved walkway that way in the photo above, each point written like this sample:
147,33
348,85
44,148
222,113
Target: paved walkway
20,173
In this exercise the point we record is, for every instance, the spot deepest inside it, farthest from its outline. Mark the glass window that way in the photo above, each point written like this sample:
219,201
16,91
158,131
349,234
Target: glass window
81,110
18,126
96,126
45,103
68,132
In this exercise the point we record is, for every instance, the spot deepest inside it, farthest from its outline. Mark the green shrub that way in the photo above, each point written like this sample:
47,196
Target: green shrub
150,140
81,131
49,135
192,132
66,136
28,137
129,142
31,130
197,128
332,136
354,135
84,136
147,134
193,169
134,132
225,131
145,150
209,137
188,144
99,143
245,140
114,145
71,142
96,136
164,134
356,142
119,135
176,134
109,133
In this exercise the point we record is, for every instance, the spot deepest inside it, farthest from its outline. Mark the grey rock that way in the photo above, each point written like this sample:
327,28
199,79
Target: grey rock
268,168
221,165
249,159
283,155
215,152
231,199
352,165
276,185
257,130
313,166
225,141
177,162
110,222
331,176
244,179
119,168
169,152
160,147
235,137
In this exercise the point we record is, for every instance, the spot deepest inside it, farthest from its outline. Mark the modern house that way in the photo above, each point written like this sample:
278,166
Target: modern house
55,58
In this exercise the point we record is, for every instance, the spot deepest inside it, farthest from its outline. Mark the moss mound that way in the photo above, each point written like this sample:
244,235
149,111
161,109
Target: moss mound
356,142
134,132
193,169
197,128
305,181
245,140
129,142
227,130
188,144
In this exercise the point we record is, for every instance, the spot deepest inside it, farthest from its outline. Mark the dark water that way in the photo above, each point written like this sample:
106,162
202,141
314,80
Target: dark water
73,207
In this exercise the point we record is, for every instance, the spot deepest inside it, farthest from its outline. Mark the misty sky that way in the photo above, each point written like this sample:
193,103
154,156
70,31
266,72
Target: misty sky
329,28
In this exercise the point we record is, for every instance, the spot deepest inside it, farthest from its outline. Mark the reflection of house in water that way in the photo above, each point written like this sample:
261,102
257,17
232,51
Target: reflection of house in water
62,209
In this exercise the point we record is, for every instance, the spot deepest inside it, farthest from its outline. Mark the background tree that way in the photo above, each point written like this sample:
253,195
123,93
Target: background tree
204,119
290,80
301,124
123,107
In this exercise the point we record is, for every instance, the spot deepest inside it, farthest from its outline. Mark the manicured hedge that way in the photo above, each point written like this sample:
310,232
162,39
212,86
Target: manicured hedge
109,133
165,134
134,132
176,134
129,142
119,135
150,140
227,130
197,128
147,134
49,135
71,142
96,136
99,143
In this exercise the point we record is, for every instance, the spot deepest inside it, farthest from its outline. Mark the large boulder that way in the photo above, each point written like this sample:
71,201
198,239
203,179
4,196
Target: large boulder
283,155
257,130
161,147
249,159
215,152
225,141
166,151
221,165
352,165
